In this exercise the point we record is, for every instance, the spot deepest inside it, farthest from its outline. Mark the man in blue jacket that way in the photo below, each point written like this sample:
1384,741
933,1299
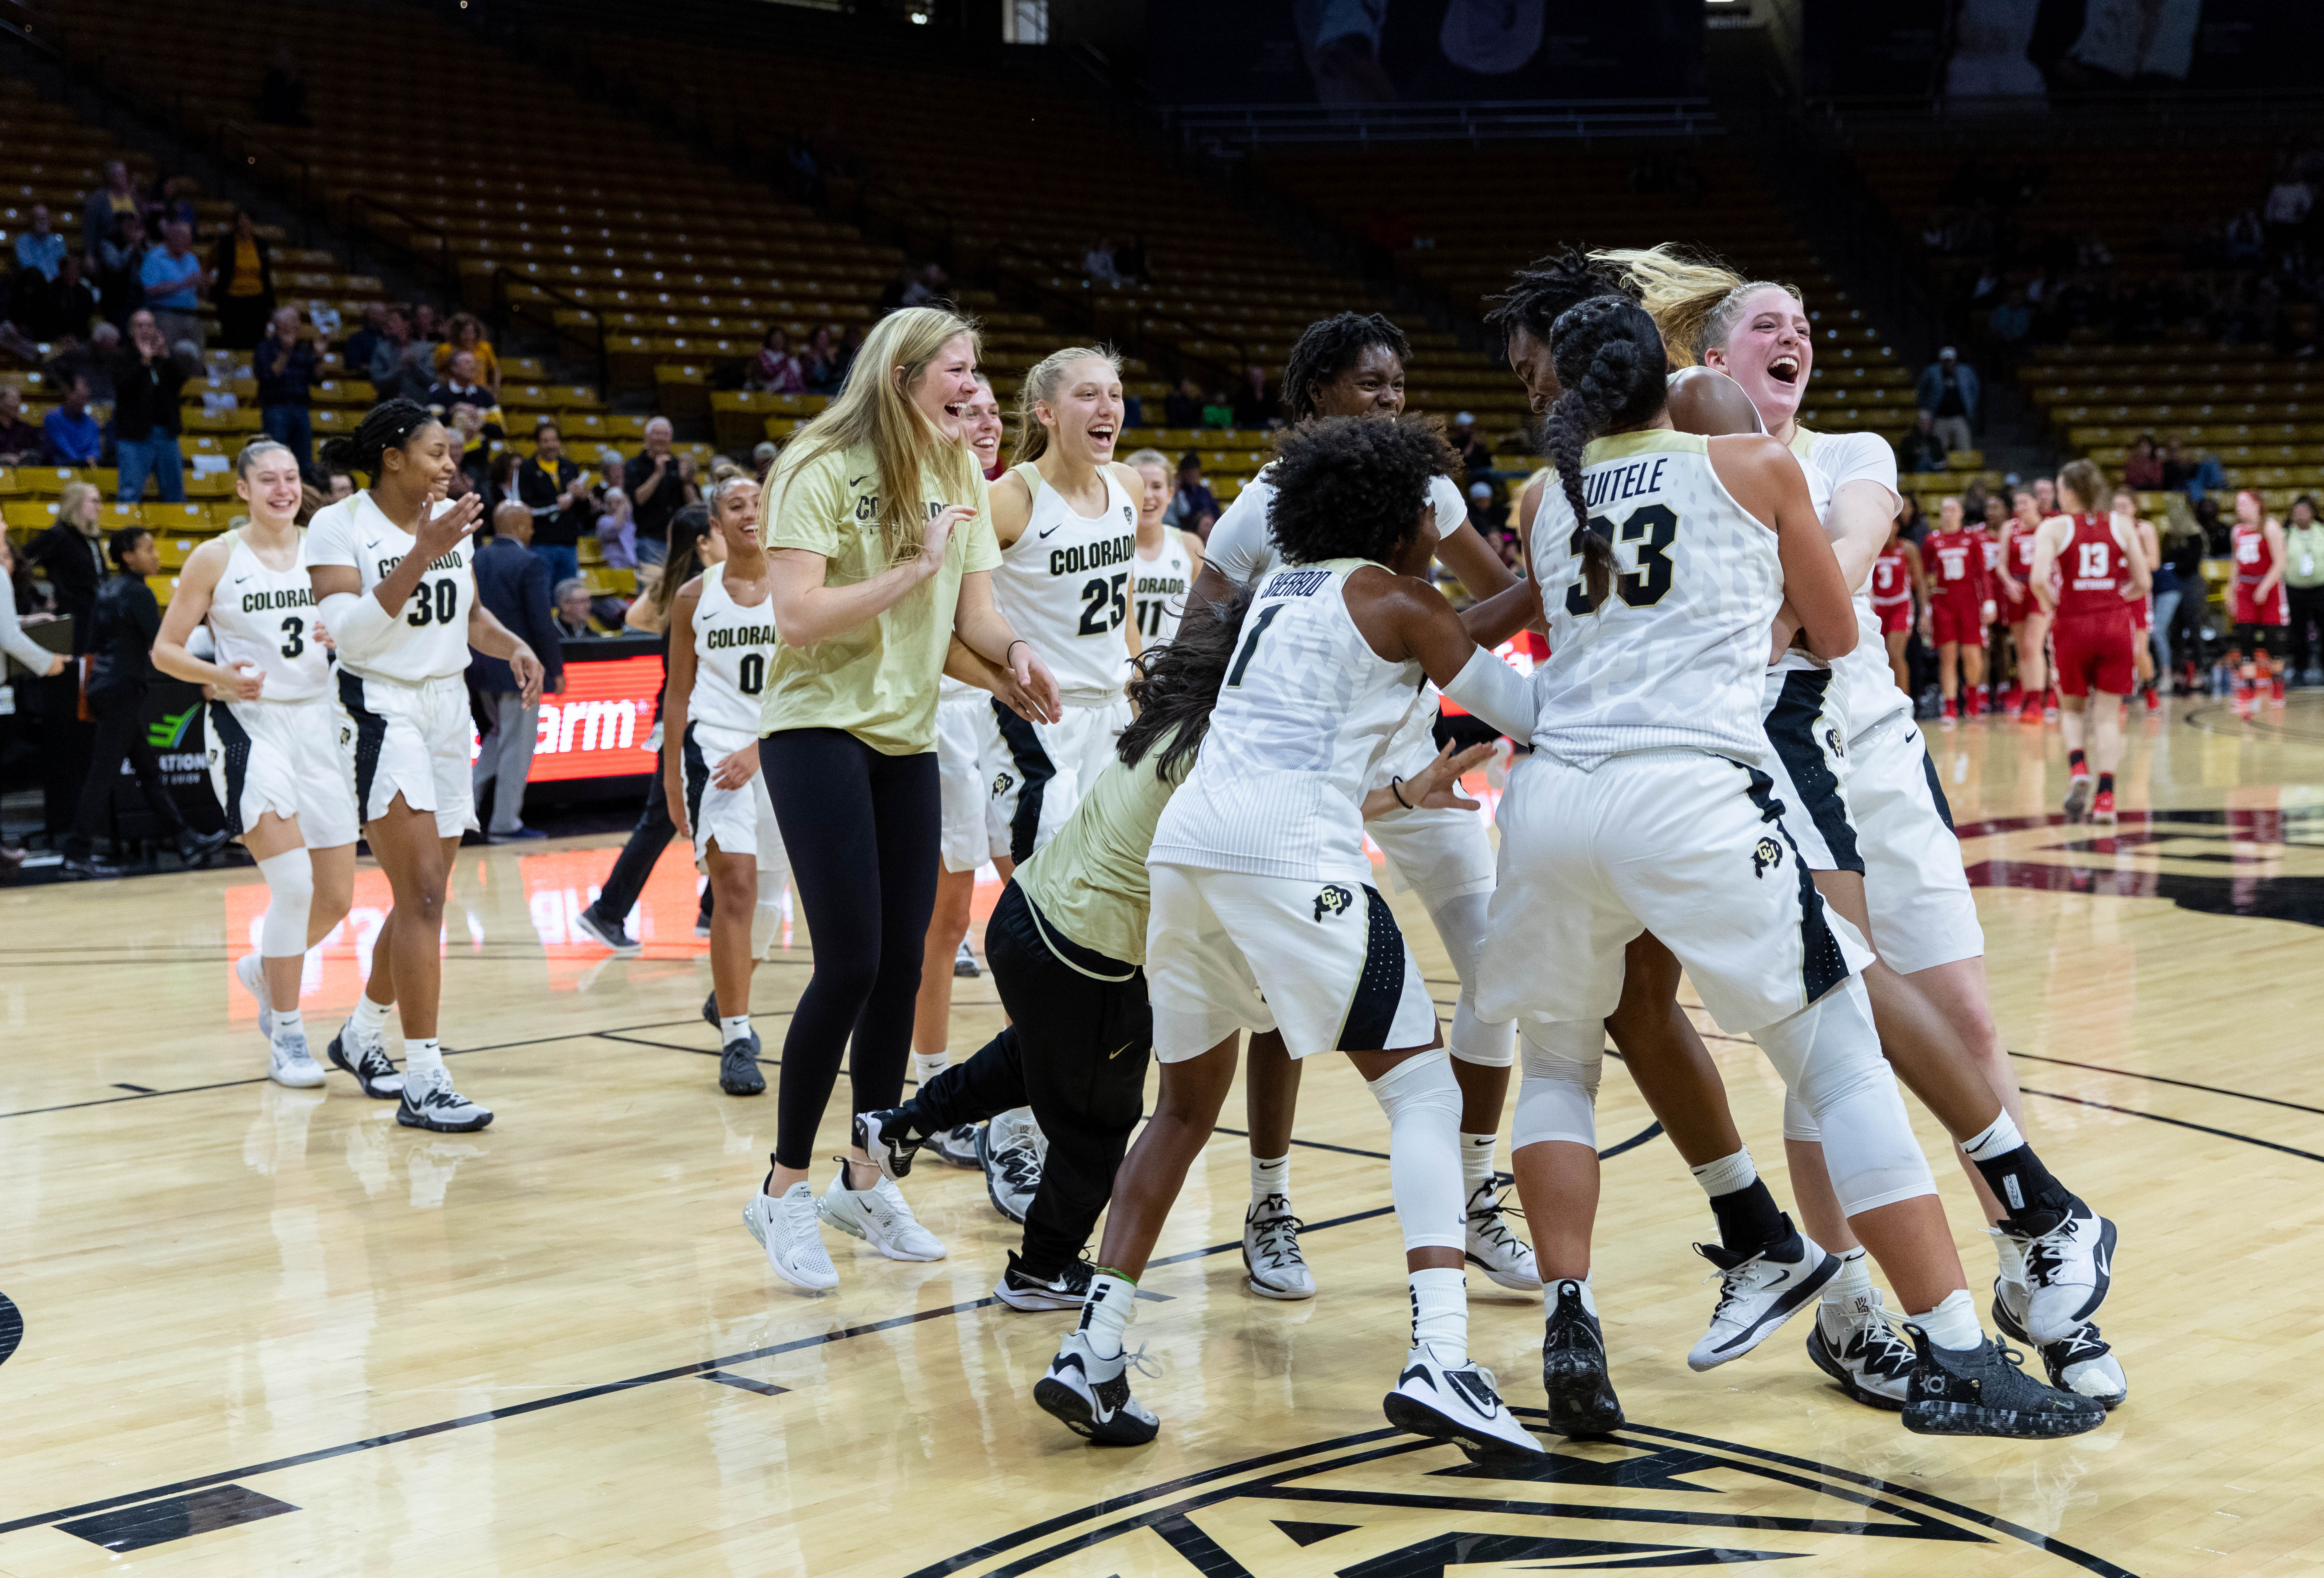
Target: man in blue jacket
514,585
1948,391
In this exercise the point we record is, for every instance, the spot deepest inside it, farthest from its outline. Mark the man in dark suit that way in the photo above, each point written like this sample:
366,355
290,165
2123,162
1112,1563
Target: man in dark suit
513,586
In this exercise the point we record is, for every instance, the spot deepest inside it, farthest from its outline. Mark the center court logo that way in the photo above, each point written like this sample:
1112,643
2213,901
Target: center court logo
1383,1504
1335,899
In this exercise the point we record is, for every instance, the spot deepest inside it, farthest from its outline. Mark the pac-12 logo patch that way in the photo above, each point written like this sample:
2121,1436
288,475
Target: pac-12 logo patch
1334,899
1767,855
1129,517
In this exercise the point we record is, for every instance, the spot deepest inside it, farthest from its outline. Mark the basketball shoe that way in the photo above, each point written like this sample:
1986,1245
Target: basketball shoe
1574,1369
1090,1393
785,1228
290,1064
1855,1345
1758,1293
2080,1362
368,1061
1270,1252
1493,1249
738,1067
251,971
429,1102
2069,1268
1985,1391
1010,1149
1019,1290
1456,1402
2077,795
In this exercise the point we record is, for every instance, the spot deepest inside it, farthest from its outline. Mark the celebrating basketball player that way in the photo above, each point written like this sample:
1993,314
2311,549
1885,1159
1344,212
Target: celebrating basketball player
1167,557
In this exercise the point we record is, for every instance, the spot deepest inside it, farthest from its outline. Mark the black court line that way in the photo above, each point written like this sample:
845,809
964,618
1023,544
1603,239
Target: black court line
2161,1079
2175,1122
765,1389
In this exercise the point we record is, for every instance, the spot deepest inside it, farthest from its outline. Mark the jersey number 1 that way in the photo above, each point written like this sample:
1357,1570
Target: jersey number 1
1250,643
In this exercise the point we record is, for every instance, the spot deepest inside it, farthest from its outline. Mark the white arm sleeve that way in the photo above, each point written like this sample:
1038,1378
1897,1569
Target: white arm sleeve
1496,693
358,623
1240,546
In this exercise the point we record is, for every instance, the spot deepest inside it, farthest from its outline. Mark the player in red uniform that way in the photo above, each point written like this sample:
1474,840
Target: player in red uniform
2028,618
2142,610
1961,605
2102,569
2257,598
1897,586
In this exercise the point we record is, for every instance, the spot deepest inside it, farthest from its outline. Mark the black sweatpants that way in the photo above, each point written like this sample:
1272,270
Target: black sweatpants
862,830
1076,1052
120,737
2307,611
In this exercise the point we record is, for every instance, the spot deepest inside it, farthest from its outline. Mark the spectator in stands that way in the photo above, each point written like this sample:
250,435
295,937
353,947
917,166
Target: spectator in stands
1097,263
2011,323
1920,449
575,620
2289,201
500,485
244,267
1476,459
660,486
1909,522
425,328
173,280
465,426
851,346
356,355
557,491
109,204
282,92
71,555
92,362
1130,260
340,485
285,365
2206,477
2219,536
1255,410
19,441
1182,406
1218,411
460,386
2176,469
1193,507
40,249
774,369
72,302
927,288
174,204
123,624
513,586
120,269
400,361
146,416
72,436
617,531
1481,515
821,364
1948,391
2141,468
466,333
762,456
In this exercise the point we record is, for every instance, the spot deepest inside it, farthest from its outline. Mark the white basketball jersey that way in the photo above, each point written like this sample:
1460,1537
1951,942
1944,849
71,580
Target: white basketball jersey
1306,709
1238,543
1162,583
1862,682
265,619
733,646
1065,587
430,636
1673,658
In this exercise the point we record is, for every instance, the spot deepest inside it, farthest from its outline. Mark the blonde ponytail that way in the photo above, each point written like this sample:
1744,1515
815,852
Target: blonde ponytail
1694,299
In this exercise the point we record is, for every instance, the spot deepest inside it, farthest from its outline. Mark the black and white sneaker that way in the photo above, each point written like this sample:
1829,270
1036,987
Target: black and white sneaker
1457,1403
2081,1363
1068,1289
1758,1293
1503,1257
1271,1259
738,1068
1858,1348
2069,1268
1985,1391
608,932
1010,1149
1574,1369
429,1102
368,1061
963,962
885,1135
1092,1395
957,1147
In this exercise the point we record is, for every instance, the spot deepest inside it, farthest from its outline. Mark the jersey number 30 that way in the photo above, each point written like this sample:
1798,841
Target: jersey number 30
444,608
1653,528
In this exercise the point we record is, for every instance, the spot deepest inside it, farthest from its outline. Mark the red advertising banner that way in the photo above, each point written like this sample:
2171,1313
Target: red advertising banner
599,726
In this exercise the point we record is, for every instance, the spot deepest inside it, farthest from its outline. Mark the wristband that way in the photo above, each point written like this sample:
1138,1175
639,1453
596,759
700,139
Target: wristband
1012,646
1396,787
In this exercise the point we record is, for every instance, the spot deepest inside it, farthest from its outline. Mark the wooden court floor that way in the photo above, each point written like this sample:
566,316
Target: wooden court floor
257,1331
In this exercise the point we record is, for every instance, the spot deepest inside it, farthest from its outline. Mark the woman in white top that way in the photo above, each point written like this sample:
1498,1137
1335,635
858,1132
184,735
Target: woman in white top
273,737
391,572
1168,560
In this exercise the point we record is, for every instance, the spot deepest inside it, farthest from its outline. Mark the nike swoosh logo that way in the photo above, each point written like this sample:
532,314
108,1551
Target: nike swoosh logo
1125,1047
1044,534
238,580
859,481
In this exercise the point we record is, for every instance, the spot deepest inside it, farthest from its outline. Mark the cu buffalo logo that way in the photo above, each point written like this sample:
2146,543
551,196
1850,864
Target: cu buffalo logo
1002,782
1765,857
1831,738
1335,899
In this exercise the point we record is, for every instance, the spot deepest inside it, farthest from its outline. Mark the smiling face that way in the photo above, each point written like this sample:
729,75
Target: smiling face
1153,493
945,385
1530,360
427,463
981,420
1373,387
270,486
735,515
1084,415
1770,353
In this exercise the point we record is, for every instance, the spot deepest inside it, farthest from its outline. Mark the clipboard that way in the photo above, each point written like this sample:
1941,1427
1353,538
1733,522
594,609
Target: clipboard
53,635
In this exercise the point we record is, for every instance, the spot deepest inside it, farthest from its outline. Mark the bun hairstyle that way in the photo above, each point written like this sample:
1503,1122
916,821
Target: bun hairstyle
1609,357
1695,298
1042,384
389,425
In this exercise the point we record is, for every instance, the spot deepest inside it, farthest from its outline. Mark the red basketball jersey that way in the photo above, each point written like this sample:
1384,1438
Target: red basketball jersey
1956,561
2093,571
1891,581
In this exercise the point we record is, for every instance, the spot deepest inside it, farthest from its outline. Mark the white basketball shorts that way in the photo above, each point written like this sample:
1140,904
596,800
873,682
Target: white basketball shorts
410,740
1806,729
742,821
971,761
1049,766
1915,889
284,757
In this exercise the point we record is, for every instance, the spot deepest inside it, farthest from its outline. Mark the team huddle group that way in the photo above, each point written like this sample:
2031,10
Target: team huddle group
894,658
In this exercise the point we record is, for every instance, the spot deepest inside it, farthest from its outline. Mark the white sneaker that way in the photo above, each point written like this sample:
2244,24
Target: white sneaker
1493,1249
1270,1252
1092,1395
1457,1403
1855,1345
367,1060
251,971
879,1216
784,1227
1758,1293
1011,1148
2081,1361
429,1102
2067,1270
290,1064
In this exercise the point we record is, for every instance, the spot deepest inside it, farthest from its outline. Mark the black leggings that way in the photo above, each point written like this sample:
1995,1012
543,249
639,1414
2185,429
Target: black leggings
1076,1052
863,832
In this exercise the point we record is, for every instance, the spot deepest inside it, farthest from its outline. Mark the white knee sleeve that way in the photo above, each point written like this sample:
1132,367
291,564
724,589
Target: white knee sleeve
1799,1123
768,917
1423,1104
290,897
1557,1095
1461,925
1828,1054
1475,1041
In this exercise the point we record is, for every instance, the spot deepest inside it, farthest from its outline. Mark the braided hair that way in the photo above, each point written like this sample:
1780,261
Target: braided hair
389,425
1328,347
1545,288
1178,682
1609,357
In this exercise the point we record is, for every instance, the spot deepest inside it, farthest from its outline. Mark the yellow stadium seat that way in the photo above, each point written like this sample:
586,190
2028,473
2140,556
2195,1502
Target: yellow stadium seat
32,514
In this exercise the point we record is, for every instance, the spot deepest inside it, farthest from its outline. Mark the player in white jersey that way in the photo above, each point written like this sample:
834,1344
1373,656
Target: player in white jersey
391,572
1892,865
1646,804
1351,365
721,639
1263,914
273,737
1167,559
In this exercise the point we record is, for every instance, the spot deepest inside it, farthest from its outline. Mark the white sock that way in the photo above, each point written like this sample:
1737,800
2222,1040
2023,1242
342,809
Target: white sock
371,1017
1726,1175
1271,1178
290,1024
1998,1138
1953,1324
421,1055
2010,1252
734,1028
1440,1312
1105,1318
927,1066
1552,1284
1477,1160
1851,1287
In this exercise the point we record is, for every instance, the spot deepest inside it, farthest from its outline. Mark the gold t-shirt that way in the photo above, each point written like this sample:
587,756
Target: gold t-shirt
1088,881
877,681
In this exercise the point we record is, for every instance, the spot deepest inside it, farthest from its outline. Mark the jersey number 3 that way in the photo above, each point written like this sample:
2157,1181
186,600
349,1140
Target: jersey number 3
1653,528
